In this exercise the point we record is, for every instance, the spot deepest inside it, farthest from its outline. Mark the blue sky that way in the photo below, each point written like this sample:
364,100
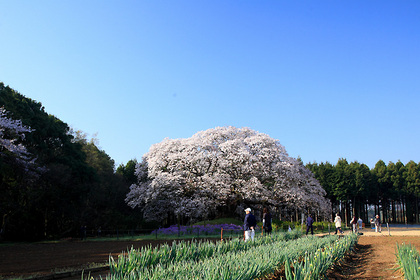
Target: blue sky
328,79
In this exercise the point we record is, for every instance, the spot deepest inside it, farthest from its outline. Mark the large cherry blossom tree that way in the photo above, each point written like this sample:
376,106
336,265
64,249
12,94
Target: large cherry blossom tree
222,170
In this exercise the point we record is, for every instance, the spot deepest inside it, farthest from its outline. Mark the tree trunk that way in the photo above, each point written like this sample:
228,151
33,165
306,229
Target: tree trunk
366,216
45,223
399,211
393,211
405,211
345,213
354,207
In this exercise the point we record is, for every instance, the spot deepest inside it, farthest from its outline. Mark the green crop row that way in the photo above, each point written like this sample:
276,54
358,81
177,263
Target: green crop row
139,259
250,263
408,260
316,263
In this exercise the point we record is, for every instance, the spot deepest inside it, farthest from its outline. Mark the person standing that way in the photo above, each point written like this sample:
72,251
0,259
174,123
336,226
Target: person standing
353,223
309,224
249,225
360,222
377,222
267,221
337,222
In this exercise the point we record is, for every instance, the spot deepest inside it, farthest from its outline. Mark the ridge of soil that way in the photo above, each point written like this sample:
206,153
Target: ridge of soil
353,264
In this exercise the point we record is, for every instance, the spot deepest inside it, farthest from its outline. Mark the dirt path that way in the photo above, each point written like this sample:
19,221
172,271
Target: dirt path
374,258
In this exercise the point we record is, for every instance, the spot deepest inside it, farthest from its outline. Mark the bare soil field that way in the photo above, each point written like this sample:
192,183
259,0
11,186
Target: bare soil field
49,260
374,256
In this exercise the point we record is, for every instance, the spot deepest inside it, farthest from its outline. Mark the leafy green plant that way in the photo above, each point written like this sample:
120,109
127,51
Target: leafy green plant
408,260
138,260
256,259
316,263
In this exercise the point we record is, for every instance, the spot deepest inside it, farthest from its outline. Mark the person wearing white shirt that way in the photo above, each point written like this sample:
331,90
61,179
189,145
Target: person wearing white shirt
337,222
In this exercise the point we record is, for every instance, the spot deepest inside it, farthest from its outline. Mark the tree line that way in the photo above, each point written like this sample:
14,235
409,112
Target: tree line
390,190
63,182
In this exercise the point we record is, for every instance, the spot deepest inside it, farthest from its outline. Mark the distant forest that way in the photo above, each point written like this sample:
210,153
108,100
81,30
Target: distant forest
66,182
392,190
71,183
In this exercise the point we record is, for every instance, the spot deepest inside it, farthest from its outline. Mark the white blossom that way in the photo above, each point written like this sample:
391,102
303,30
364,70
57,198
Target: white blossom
11,132
223,166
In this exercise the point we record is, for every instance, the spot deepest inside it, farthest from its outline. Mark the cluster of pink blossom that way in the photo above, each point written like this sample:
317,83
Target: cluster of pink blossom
11,132
192,177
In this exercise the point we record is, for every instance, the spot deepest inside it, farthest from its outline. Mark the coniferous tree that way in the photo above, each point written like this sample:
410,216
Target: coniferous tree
50,204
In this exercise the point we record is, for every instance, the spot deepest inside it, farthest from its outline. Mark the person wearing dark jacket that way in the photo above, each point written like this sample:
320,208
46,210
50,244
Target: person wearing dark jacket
249,225
309,225
267,221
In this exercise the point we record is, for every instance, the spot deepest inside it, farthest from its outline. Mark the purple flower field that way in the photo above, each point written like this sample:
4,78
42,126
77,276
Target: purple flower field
198,229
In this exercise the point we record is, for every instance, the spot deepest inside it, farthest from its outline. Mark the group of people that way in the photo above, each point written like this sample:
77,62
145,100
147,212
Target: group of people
357,224
250,224
377,222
